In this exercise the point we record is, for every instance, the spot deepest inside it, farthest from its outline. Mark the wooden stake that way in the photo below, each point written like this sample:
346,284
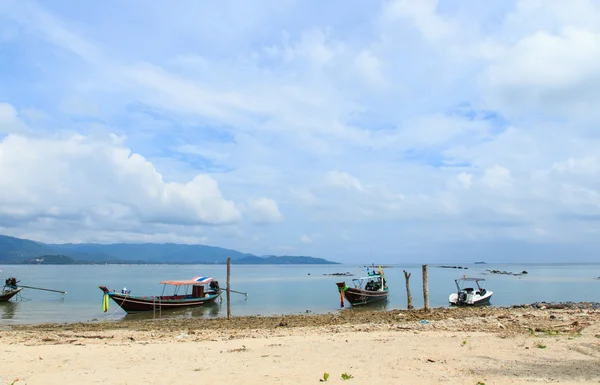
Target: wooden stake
408,295
228,288
425,289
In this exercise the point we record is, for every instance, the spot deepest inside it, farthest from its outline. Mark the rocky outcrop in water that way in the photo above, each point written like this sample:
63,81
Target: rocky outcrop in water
506,272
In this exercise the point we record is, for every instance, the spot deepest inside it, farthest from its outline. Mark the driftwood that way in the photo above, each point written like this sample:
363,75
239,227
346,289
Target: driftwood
408,295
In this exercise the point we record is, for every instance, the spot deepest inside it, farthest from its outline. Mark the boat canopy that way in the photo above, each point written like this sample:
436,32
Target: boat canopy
369,277
470,279
193,281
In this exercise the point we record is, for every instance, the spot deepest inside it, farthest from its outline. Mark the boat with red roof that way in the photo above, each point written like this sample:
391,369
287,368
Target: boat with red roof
187,293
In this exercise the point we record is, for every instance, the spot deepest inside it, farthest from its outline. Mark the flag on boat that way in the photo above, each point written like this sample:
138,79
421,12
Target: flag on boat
198,280
202,280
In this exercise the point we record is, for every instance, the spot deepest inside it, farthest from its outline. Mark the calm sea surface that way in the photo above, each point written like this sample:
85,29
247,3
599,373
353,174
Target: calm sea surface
274,289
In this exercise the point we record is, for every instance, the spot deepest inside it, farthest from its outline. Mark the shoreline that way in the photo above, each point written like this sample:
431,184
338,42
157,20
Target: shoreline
516,345
345,316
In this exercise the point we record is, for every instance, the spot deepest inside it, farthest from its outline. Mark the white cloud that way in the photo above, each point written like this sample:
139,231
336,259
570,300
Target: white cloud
371,68
305,239
264,211
9,121
100,180
423,15
497,177
465,179
555,73
343,180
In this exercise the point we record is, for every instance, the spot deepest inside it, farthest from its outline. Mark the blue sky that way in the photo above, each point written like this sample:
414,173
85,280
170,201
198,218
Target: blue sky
395,131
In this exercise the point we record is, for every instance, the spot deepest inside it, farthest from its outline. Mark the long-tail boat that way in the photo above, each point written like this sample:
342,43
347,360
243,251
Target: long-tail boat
203,290
10,289
367,289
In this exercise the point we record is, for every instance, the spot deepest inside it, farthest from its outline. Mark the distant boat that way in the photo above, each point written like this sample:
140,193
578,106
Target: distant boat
203,290
367,289
468,296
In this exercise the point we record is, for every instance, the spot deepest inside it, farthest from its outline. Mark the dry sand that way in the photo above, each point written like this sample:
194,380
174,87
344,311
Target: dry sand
459,346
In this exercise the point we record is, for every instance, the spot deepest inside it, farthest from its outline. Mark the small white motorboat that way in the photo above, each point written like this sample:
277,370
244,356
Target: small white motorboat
467,295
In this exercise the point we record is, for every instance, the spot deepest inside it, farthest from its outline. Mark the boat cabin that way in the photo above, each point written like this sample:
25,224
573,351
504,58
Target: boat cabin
465,285
373,282
197,284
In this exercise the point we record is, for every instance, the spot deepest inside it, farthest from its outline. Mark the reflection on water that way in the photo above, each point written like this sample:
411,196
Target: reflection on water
8,309
209,310
372,306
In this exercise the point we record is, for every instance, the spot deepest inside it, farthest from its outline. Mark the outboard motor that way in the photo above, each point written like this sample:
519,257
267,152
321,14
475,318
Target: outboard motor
462,297
214,285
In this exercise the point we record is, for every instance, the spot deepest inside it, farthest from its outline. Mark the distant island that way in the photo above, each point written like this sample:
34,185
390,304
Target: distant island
24,251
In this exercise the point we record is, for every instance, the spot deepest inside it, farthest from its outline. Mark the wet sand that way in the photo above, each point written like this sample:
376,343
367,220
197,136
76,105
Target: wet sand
442,346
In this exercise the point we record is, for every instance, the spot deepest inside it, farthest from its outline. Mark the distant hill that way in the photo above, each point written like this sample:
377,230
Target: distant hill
274,260
15,250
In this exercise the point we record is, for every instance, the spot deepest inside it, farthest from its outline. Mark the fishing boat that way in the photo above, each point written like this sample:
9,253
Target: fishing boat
466,295
203,290
370,288
10,289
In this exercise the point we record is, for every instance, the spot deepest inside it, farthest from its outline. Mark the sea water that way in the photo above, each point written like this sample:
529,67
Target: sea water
276,289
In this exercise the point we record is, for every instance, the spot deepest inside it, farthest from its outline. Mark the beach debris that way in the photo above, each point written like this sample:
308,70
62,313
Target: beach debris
424,322
283,323
325,377
242,349
430,360
183,335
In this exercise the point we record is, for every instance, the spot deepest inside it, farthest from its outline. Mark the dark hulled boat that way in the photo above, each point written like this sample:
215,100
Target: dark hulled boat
203,290
7,294
367,289
10,289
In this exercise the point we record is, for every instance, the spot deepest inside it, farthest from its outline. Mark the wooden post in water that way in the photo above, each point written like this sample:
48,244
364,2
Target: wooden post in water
408,295
425,289
228,288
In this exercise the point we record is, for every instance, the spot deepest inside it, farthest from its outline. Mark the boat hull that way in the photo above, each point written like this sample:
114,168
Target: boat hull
358,297
474,301
138,304
8,294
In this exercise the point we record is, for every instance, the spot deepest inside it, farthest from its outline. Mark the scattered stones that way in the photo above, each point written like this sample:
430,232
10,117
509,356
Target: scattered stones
346,274
452,267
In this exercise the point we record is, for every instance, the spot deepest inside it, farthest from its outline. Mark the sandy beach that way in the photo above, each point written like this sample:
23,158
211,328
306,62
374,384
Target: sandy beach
443,346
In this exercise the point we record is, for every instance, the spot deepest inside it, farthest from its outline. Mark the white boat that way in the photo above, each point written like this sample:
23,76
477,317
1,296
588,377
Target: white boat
467,295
